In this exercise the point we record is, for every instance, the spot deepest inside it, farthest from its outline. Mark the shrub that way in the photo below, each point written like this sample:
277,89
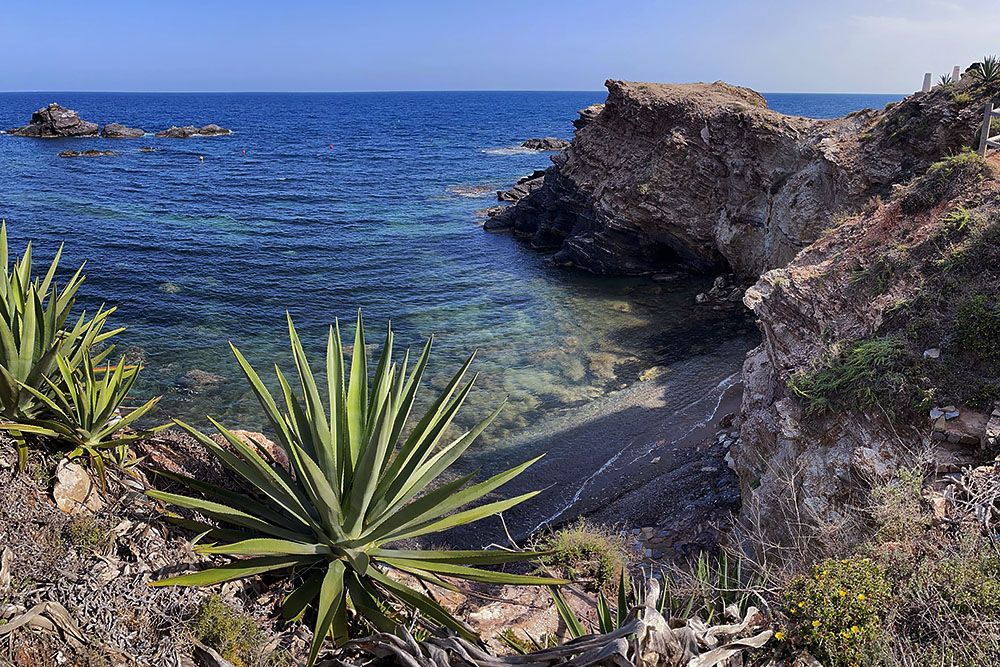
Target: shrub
943,178
961,99
355,485
838,613
236,636
957,218
978,328
591,555
868,373
88,532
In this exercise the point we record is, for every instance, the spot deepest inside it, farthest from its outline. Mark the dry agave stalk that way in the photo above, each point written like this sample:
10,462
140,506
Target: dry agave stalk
646,640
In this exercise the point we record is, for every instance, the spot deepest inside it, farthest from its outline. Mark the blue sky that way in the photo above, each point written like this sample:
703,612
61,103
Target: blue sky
313,45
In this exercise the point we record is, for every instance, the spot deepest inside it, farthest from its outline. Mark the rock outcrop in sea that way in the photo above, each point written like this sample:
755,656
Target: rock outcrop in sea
706,177
119,131
188,131
87,153
545,144
55,121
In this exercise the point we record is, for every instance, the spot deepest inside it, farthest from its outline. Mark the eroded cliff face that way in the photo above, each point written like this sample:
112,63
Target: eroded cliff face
891,314
706,177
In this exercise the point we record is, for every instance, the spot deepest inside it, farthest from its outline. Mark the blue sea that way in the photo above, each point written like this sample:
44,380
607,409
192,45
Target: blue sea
320,204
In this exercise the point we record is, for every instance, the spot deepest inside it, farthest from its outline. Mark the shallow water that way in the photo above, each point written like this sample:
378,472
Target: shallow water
324,203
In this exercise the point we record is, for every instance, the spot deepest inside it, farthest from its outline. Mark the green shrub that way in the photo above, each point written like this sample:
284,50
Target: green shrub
88,532
236,636
868,373
588,554
963,98
838,613
978,328
356,484
957,218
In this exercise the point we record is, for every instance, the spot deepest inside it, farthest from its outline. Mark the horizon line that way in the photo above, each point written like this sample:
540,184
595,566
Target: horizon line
415,90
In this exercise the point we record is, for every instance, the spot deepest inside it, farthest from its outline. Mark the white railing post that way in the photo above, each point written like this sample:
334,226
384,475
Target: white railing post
984,134
927,83
956,74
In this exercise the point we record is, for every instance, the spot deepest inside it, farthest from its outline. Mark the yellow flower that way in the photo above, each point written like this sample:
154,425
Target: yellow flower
816,623
855,629
843,593
826,572
802,604
779,635
861,597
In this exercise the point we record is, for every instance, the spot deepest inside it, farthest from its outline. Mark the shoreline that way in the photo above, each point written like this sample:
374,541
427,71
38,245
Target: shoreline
642,456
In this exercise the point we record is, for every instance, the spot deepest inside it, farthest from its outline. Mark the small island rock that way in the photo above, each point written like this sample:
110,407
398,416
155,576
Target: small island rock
87,153
119,131
55,121
545,144
188,131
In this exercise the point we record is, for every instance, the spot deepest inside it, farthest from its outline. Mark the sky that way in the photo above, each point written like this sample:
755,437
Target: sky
875,46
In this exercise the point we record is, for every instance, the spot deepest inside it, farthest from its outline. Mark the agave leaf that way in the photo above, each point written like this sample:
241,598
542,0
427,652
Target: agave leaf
566,613
293,607
331,599
468,557
239,569
262,546
228,514
474,574
425,605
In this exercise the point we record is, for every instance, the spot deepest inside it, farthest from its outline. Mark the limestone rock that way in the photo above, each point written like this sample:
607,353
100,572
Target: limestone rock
75,490
196,381
188,131
55,121
965,428
119,131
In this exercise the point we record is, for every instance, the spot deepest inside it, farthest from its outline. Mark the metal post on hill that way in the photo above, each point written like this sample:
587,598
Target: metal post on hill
987,142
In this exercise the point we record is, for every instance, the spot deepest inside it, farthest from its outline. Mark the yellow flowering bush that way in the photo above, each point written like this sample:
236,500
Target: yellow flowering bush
838,612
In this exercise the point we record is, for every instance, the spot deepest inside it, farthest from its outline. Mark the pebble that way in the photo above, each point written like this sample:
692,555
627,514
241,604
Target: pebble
932,353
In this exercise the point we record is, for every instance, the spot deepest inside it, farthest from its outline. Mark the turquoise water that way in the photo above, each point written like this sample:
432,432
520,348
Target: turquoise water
321,204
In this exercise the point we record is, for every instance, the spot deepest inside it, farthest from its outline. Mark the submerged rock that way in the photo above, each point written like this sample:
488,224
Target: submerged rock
196,380
119,131
188,131
545,144
87,153
55,121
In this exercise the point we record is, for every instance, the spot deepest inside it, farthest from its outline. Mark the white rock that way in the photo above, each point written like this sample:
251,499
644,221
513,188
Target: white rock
75,490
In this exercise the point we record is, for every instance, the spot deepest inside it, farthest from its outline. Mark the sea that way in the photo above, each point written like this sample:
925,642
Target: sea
319,205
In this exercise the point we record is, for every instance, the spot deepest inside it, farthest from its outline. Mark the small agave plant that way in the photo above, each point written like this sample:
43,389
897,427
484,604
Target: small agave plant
83,410
358,481
987,70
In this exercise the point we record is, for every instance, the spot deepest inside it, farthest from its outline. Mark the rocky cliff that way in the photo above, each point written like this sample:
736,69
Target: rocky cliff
881,351
706,177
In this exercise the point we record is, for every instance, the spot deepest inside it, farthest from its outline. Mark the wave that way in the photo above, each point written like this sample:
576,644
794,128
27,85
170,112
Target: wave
474,191
508,150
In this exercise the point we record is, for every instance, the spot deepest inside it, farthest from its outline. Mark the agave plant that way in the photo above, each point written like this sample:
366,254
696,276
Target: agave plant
33,333
354,486
944,80
84,410
988,70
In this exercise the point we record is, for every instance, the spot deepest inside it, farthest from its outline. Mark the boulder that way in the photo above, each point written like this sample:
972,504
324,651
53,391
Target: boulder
87,153
260,442
545,144
75,490
55,121
188,131
119,131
